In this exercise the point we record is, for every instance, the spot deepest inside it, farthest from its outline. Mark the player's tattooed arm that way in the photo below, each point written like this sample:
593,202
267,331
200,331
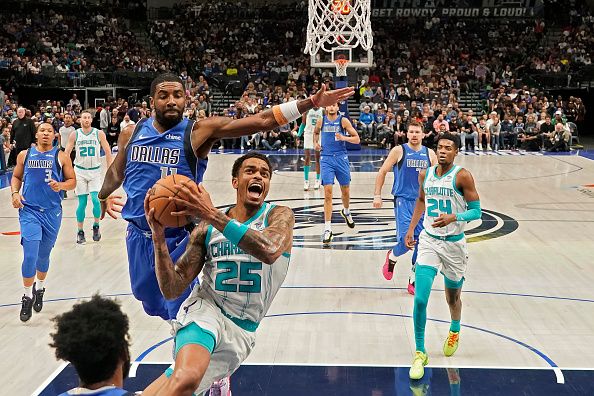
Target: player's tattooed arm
174,279
269,244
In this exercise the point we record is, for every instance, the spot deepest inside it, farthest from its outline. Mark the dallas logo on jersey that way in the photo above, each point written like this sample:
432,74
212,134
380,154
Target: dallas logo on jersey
155,155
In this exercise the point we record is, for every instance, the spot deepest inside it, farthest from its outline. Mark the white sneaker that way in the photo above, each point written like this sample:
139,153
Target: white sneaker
317,184
327,237
221,387
306,185
489,147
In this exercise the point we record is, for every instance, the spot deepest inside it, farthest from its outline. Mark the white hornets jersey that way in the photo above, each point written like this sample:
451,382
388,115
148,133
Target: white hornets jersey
241,285
312,118
88,149
442,197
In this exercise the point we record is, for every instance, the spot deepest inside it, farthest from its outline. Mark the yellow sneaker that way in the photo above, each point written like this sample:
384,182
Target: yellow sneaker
451,343
417,369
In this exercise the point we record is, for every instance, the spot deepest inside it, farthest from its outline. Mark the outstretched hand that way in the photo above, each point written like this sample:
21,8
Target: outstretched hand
325,98
111,205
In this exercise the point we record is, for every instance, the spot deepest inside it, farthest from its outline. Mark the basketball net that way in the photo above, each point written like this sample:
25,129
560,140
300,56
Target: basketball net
341,67
338,24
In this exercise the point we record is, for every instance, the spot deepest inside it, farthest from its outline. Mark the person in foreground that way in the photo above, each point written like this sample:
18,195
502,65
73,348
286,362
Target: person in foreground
448,199
244,255
93,337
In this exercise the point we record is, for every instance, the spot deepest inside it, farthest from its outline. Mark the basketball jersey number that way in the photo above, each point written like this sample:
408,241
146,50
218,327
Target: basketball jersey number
87,151
48,175
165,171
436,206
245,275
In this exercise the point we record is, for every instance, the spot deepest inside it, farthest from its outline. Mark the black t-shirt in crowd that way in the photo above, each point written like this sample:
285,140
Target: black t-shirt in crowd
23,133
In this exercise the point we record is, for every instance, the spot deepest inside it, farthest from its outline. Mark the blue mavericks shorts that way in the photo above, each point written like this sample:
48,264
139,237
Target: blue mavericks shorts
40,224
141,264
335,166
403,211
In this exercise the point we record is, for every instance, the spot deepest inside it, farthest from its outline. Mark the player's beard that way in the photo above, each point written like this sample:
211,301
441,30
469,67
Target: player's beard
167,122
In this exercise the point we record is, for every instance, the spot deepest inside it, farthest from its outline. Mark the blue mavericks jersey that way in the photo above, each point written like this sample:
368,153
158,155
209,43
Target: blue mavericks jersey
329,143
104,391
150,156
406,172
40,167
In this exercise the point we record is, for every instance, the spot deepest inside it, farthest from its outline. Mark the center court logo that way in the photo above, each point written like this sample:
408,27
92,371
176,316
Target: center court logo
375,227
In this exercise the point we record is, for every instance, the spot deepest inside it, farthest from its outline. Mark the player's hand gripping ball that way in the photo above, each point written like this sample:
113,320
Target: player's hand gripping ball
159,196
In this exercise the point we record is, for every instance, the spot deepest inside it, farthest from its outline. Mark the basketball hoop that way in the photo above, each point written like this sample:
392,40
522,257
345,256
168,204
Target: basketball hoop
341,67
343,24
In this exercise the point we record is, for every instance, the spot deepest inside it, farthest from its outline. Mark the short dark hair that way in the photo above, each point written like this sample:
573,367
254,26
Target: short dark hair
165,77
42,123
93,336
252,154
417,124
452,137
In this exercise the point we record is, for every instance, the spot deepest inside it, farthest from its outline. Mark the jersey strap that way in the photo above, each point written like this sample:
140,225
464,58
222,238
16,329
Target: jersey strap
137,129
188,150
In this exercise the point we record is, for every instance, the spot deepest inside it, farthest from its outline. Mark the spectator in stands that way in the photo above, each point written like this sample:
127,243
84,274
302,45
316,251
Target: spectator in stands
113,130
125,122
134,112
561,140
22,135
468,131
366,124
74,102
439,121
494,128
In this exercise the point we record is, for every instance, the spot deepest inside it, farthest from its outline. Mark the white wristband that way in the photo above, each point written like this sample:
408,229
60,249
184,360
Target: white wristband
286,112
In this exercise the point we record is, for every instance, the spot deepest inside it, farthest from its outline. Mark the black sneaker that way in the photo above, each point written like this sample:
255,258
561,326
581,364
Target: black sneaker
38,297
96,233
348,218
27,308
80,238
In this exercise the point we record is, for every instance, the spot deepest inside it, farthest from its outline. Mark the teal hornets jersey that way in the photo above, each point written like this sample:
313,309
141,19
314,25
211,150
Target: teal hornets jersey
241,285
311,119
442,197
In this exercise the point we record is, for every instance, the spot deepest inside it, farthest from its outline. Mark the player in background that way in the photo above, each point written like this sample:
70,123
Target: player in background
39,177
88,142
449,199
330,136
406,161
308,124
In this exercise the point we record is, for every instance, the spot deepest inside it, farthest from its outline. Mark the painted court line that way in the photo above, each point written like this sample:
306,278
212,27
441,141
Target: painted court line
49,379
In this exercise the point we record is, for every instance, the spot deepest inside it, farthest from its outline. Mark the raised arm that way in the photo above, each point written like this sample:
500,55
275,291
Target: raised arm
115,176
223,127
393,158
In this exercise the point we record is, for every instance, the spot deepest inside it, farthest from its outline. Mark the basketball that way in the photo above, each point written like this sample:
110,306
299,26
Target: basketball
160,193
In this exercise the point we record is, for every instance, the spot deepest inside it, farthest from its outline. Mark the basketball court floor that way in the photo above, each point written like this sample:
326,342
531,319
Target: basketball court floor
336,326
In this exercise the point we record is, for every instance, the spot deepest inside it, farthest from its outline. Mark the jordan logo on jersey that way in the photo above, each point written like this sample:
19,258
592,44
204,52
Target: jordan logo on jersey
155,155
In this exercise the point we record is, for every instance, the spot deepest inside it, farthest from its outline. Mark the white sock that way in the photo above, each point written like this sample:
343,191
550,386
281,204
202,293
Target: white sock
346,211
392,257
328,226
40,285
29,291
